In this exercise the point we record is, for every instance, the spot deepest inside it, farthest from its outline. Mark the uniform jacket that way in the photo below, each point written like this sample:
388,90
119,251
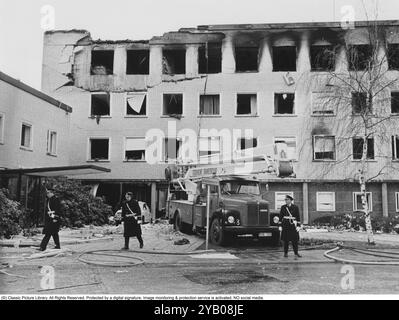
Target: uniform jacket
131,227
52,225
289,228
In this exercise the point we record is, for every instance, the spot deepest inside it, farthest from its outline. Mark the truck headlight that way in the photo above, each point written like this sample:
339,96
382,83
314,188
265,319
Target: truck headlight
231,220
276,220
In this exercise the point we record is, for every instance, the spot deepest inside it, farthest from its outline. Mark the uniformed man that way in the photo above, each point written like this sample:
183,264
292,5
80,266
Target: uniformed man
130,212
52,220
290,222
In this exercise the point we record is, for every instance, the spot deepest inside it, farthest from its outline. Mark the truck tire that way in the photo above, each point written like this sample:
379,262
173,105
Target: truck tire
180,226
216,234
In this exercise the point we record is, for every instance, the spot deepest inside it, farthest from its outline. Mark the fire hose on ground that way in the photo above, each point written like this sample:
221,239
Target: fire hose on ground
393,256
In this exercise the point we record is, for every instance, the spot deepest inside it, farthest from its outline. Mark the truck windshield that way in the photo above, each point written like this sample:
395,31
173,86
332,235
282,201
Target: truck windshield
240,187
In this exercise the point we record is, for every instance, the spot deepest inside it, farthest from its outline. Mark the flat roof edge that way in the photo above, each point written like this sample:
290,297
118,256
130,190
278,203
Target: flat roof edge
38,94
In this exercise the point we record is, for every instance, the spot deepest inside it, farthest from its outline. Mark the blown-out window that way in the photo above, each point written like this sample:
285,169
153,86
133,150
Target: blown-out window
136,104
324,148
99,149
135,149
210,105
172,104
358,144
102,62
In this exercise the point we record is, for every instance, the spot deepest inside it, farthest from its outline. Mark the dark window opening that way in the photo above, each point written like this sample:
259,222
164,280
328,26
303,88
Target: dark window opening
395,102
210,105
174,61
210,59
358,144
172,149
247,104
135,149
284,58
173,104
100,104
359,103
135,155
284,103
247,59
247,143
393,56
99,149
395,147
102,62
138,62
322,58
136,105
360,57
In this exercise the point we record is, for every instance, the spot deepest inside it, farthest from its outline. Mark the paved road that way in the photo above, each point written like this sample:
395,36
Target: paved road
188,276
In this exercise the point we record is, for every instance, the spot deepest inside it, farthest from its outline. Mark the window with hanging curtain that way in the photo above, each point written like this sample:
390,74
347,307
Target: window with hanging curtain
210,105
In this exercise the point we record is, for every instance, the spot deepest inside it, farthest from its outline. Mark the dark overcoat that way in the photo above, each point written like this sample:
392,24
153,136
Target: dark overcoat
131,227
52,225
289,229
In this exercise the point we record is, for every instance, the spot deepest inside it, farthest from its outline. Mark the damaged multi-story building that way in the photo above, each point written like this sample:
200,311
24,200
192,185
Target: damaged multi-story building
267,77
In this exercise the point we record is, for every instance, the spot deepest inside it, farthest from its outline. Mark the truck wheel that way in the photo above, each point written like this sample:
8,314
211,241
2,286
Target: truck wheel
180,226
217,234
276,239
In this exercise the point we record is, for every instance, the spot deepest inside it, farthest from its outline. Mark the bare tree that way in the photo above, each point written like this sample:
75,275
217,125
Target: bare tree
358,94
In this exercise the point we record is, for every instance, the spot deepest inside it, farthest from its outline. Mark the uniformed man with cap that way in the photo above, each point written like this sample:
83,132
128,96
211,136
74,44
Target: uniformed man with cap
52,220
130,213
290,222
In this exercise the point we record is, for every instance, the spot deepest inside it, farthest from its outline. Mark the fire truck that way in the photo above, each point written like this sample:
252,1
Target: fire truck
224,198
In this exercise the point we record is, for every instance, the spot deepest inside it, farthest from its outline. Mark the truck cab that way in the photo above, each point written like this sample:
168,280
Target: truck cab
236,209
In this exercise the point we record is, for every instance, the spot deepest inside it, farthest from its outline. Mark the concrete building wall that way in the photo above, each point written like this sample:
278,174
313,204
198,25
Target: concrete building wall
66,75
18,107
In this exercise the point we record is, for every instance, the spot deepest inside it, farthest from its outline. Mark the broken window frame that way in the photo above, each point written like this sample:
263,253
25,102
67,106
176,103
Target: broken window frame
52,143
215,105
292,146
278,67
357,200
164,107
359,65
276,103
176,70
166,149
253,104
357,154
24,137
213,61
144,56
108,71
90,151
395,102
324,159
2,127
395,148
319,62
327,112
393,56
241,61
92,115
356,99
144,105
142,150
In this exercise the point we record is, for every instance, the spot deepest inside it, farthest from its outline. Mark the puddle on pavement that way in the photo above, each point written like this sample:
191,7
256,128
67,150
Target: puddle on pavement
230,277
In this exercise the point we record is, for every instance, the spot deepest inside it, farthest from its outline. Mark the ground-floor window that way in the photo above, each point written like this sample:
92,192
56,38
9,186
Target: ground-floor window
325,201
357,201
280,198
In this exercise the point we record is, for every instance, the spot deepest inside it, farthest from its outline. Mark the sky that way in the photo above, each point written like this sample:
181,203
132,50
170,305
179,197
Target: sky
21,21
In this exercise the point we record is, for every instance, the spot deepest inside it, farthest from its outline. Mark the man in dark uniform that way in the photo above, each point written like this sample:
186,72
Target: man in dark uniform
290,222
130,212
52,220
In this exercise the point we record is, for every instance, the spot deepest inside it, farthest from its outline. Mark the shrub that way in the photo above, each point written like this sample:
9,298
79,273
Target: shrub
78,205
11,214
356,221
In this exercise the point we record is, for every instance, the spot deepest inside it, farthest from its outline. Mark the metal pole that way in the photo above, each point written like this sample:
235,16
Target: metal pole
208,212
